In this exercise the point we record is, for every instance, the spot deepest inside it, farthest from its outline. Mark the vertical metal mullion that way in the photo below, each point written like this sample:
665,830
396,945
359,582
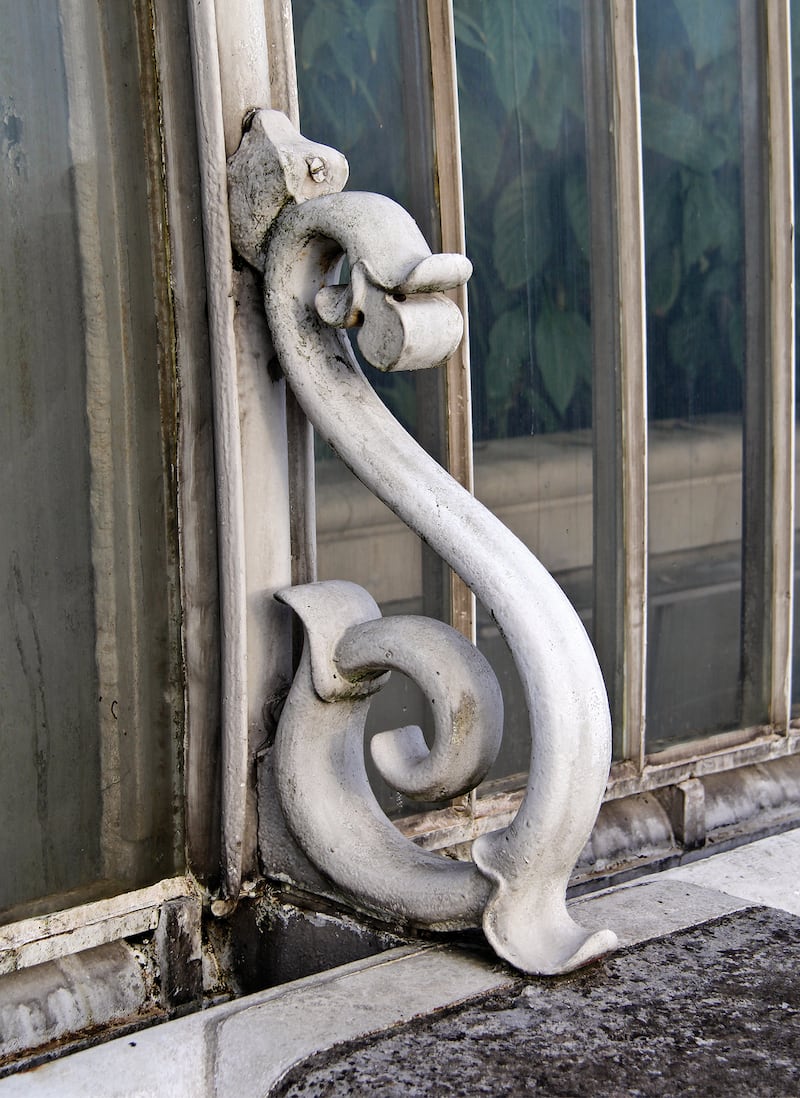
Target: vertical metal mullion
608,561
619,382
458,402
282,63
781,335
228,465
768,499
300,435
196,496
299,432
756,623
429,385
633,367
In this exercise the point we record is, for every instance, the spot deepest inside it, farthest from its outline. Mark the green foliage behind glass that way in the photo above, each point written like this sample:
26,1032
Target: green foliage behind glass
356,85
523,147
350,82
525,180
690,84
523,140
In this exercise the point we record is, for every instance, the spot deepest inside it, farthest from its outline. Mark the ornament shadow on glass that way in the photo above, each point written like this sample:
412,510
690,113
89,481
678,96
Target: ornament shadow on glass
290,221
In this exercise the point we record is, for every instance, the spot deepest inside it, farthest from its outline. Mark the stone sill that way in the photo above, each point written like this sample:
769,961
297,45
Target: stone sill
243,1049
271,1030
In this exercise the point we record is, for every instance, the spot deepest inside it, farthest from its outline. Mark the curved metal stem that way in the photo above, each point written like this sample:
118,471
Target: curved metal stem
530,861
322,781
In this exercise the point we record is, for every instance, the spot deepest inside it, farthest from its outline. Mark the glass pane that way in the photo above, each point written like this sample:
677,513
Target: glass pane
692,142
525,184
363,72
88,645
363,76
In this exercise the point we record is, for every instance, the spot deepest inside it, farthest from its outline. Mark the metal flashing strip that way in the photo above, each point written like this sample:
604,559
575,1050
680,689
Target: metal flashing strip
49,1007
244,1049
619,404
49,937
739,794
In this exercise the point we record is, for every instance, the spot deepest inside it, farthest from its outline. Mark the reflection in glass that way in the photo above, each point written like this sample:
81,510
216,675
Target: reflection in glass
88,645
363,73
523,143
364,86
692,145
523,146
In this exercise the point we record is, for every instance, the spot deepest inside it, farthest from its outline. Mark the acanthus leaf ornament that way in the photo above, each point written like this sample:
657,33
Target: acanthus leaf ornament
516,886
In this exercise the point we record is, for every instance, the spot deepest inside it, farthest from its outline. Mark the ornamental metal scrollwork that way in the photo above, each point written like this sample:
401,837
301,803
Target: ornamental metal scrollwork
290,220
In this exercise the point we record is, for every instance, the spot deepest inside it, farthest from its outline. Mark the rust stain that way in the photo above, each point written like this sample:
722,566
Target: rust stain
463,719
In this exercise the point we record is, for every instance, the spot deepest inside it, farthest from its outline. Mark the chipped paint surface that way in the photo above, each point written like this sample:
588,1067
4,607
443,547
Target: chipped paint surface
45,1004
37,940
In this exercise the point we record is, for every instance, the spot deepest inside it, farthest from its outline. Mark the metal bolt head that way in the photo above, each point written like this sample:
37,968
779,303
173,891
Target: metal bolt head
316,169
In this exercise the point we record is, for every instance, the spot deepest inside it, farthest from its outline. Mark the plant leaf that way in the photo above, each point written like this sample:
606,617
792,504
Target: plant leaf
508,359
469,32
709,221
671,132
511,51
546,106
481,146
380,20
522,233
710,28
330,22
576,200
689,338
662,214
563,354
663,279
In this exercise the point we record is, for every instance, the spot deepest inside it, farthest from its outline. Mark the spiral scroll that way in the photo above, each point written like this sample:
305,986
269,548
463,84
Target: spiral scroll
516,886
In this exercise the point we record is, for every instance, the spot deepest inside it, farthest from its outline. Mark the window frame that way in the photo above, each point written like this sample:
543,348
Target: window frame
612,36
611,58
262,458
166,90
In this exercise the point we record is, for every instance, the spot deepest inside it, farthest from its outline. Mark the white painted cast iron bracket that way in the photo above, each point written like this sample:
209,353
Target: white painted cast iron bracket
289,220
